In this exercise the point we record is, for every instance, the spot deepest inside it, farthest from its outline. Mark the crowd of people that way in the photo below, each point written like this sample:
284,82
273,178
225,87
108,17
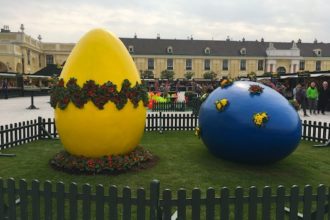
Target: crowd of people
312,97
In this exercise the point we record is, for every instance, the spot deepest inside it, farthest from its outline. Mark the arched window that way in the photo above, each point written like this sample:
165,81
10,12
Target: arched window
281,70
170,50
207,50
317,52
243,51
131,48
29,57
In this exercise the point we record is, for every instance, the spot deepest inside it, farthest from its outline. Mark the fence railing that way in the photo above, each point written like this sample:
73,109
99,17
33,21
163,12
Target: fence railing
24,132
171,107
22,200
192,105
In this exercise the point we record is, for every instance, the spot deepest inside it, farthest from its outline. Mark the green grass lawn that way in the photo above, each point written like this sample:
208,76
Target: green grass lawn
184,162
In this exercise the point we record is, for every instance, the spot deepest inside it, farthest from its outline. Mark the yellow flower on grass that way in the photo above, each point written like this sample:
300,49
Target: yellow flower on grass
221,104
260,119
198,132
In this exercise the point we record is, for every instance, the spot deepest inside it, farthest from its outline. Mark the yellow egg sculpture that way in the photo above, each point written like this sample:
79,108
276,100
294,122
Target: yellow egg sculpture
89,131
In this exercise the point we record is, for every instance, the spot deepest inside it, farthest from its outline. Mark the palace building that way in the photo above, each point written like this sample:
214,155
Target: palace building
20,53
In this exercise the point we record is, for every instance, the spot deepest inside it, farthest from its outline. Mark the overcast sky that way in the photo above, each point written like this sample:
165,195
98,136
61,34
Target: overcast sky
68,20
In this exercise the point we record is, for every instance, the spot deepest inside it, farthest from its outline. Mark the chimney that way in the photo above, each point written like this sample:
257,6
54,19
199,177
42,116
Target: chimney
22,28
5,29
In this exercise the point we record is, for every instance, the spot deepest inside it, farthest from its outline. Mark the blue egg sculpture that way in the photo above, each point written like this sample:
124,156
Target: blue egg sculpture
249,122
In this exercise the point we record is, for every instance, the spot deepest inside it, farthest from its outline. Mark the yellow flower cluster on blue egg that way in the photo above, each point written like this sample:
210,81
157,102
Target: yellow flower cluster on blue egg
260,119
221,104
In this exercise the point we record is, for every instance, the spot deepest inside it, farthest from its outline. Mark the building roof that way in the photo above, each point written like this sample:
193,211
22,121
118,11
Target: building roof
49,70
143,46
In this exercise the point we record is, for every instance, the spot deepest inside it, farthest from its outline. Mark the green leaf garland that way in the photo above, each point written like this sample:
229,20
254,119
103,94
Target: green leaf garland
100,95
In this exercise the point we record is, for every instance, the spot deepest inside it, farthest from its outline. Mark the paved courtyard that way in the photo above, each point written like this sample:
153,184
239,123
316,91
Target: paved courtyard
14,110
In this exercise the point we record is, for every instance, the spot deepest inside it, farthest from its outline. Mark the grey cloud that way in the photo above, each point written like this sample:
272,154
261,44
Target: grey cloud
66,21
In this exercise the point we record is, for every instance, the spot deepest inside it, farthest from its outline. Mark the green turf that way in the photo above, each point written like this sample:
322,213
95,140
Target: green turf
184,162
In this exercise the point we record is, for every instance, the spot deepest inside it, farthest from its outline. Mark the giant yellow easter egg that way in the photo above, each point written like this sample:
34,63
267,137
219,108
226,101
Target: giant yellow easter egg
88,130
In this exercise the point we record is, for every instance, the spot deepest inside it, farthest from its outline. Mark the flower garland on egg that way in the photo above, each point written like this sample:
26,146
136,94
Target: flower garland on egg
256,89
139,158
62,94
226,82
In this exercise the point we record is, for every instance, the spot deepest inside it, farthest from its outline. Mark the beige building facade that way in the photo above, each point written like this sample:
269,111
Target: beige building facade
20,53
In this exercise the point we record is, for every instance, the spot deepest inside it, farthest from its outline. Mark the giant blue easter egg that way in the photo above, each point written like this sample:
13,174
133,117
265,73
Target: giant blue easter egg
231,132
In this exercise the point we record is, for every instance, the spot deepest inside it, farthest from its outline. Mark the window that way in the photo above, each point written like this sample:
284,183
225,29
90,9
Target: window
207,50
271,68
169,64
294,68
188,64
302,65
318,52
318,65
243,51
131,49
49,59
151,64
207,65
260,65
29,57
39,60
170,50
225,65
243,65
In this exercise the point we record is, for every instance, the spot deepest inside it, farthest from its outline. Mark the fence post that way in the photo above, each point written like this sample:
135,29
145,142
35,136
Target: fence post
160,123
39,128
155,212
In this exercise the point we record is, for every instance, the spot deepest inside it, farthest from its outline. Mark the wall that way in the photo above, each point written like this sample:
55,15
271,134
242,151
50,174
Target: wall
14,44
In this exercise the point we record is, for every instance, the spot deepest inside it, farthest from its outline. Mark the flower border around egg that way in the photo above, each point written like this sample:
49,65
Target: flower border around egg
137,159
62,94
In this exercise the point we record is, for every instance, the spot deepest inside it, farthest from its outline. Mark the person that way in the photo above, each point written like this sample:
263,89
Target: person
294,91
301,97
324,95
5,88
312,96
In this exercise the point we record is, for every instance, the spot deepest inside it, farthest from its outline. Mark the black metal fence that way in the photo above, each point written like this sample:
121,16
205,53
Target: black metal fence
193,105
23,200
171,107
24,132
